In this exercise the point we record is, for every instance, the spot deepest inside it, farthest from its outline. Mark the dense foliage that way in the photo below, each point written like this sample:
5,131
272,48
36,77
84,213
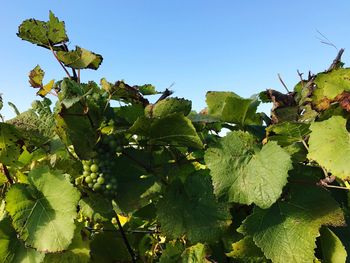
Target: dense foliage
91,180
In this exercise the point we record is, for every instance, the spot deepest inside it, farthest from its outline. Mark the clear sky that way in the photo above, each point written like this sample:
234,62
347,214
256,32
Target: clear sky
199,45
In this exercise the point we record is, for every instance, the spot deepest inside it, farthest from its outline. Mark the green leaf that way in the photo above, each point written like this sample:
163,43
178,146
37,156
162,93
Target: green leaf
71,92
191,209
331,84
173,129
287,231
241,171
10,147
230,107
172,252
147,89
130,112
121,91
80,58
287,133
96,207
77,252
169,106
245,251
332,248
13,250
74,126
45,34
43,212
35,129
195,254
128,172
329,146
108,247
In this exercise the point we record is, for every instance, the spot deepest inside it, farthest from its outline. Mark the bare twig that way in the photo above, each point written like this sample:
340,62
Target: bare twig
327,42
284,84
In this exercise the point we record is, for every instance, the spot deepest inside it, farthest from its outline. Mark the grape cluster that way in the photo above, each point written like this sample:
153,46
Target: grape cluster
98,172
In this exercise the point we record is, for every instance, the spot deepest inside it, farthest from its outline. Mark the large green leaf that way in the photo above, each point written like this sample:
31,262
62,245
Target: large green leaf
80,58
230,107
13,250
169,106
332,248
45,34
331,84
173,129
286,133
75,126
287,231
77,252
35,129
244,173
329,146
43,212
10,144
191,209
245,251
135,184
129,113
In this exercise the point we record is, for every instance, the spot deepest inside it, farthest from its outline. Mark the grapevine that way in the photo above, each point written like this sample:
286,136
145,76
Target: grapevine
83,180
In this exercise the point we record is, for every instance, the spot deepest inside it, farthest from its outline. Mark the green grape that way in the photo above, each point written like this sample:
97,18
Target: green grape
108,186
86,167
88,179
96,187
94,168
90,185
93,175
86,173
100,180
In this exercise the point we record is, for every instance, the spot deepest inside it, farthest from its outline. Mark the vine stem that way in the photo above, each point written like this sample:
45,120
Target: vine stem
7,174
126,242
64,68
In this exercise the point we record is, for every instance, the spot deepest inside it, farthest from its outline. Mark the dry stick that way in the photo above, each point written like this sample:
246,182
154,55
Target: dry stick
64,68
337,60
284,84
126,242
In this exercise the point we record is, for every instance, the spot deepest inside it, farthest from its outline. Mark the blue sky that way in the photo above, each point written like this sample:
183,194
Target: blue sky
199,45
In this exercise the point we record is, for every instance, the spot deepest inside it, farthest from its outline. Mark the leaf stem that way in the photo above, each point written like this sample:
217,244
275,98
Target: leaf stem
127,244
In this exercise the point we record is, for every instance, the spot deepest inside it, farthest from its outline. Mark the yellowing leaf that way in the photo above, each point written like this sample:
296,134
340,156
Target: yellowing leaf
46,89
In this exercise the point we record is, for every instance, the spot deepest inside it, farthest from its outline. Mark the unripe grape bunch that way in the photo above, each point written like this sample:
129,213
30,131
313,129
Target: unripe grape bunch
98,172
